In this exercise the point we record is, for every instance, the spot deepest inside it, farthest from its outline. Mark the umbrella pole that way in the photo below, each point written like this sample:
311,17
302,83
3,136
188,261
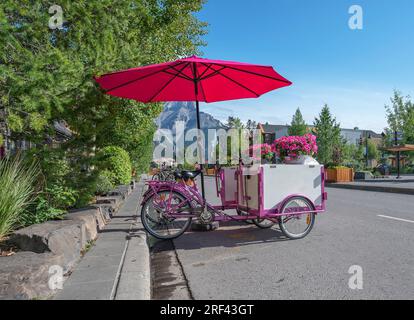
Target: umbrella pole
200,150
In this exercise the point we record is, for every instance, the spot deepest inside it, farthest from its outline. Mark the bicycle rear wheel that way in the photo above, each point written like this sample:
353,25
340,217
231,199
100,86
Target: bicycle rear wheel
158,223
297,226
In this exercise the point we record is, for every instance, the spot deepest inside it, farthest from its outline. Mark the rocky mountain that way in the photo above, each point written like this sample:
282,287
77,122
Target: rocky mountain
186,112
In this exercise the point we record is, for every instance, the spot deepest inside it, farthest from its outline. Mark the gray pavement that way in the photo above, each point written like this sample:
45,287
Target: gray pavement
117,266
239,261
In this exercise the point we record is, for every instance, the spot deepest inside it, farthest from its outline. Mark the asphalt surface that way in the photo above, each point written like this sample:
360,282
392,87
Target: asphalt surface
240,261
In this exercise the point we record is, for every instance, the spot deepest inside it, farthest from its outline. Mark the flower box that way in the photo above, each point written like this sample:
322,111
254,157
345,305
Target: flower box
339,175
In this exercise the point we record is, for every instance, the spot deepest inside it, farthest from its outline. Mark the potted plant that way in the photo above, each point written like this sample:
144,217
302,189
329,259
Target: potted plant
336,172
339,174
296,149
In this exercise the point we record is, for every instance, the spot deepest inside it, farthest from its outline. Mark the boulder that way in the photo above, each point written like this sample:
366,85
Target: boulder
26,275
115,201
106,210
65,238
88,217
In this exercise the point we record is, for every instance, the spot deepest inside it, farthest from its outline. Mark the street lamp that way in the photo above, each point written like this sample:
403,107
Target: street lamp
367,136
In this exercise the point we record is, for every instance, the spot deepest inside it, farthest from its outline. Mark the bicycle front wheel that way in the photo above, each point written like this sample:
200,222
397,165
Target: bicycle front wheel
297,226
158,223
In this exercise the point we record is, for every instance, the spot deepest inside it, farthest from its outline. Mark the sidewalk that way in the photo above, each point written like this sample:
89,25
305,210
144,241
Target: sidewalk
391,186
117,266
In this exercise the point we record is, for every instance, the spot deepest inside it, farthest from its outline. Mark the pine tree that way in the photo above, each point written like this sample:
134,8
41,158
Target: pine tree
328,135
47,74
298,126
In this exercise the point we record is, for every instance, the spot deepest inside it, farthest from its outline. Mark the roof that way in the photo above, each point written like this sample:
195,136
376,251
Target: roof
404,147
271,128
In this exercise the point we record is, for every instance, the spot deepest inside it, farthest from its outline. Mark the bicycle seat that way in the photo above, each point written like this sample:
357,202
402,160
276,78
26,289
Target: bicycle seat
190,174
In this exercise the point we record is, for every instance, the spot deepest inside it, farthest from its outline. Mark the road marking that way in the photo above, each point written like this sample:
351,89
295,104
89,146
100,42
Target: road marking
394,218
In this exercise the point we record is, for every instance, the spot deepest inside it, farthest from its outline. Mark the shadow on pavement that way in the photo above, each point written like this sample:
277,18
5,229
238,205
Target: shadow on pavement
229,234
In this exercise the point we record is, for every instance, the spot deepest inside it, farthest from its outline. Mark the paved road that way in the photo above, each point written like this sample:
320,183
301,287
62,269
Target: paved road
240,261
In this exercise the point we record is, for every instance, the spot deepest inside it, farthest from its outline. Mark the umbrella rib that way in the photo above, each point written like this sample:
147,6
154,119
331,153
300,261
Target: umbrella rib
208,67
168,82
259,75
213,73
239,84
182,76
141,78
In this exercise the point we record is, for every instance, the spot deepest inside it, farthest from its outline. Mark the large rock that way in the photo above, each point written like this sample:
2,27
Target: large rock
65,238
106,210
92,217
114,201
26,275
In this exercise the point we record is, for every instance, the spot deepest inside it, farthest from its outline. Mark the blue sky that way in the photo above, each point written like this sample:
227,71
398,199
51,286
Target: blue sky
311,44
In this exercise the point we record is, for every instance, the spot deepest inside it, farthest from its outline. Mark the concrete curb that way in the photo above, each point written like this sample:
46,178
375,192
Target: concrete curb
371,188
134,281
117,267
62,244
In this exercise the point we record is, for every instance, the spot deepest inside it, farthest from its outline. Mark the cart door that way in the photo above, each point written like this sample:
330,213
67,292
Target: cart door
248,190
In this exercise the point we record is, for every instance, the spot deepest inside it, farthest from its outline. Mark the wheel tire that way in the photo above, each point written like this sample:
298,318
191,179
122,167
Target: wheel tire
263,223
151,231
312,215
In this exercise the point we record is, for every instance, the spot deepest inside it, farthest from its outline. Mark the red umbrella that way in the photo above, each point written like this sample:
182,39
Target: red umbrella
193,79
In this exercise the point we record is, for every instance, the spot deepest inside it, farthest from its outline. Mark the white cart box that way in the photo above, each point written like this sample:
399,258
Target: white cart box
278,182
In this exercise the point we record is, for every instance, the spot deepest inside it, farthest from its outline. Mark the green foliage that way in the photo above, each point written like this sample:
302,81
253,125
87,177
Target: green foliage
353,156
16,192
329,139
15,123
234,123
117,164
103,182
48,74
1,140
298,126
400,117
41,211
373,153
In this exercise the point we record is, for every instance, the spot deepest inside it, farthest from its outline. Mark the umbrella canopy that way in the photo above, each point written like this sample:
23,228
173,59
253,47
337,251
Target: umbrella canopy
193,79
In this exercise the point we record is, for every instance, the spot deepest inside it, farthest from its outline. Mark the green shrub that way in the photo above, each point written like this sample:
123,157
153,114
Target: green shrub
16,192
103,182
116,162
51,204
41,211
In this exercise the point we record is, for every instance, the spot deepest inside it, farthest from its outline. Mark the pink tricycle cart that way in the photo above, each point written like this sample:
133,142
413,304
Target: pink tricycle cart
268,194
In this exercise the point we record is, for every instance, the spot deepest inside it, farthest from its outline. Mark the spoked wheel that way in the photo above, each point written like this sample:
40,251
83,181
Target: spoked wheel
156,220
297,226
263,223
242,213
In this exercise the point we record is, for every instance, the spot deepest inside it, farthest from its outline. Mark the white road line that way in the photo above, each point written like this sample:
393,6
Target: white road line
394,218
